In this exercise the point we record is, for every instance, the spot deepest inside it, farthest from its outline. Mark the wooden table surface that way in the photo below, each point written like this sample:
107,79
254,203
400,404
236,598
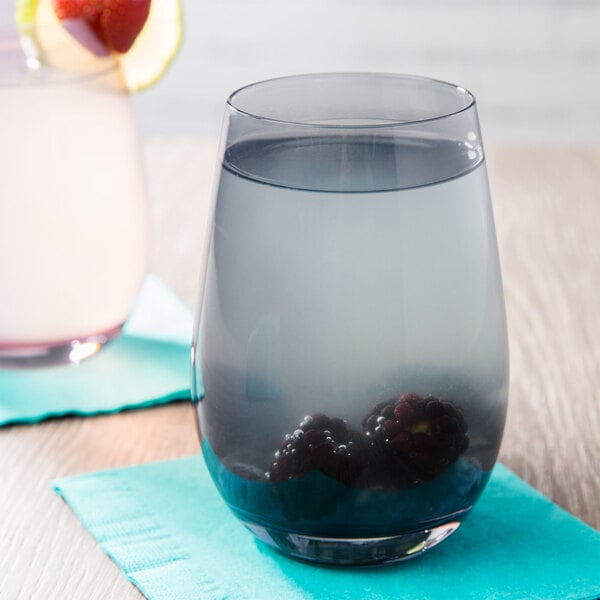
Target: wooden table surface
547,207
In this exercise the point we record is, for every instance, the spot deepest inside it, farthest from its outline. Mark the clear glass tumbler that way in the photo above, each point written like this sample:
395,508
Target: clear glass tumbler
73,211
350,362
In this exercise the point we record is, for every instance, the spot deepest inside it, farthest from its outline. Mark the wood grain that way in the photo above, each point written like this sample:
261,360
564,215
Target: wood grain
44,551
547,205
547,208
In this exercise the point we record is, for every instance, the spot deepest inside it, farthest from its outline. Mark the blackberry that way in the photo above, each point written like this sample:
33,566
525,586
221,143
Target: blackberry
321,443
414,439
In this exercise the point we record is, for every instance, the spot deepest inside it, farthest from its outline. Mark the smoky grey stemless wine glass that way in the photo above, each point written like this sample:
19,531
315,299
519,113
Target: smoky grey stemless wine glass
350,359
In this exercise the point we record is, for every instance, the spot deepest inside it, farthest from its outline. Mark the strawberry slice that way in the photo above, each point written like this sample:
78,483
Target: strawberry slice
115,23
122,21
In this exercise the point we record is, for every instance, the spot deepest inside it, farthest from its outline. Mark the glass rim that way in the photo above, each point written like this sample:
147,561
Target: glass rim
231,100
45,75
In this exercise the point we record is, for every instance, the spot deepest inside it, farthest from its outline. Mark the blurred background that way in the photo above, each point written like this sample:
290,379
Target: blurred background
533,66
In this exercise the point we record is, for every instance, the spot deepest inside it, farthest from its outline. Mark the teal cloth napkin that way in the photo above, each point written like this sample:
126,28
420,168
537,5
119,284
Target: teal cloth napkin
148,364
166,527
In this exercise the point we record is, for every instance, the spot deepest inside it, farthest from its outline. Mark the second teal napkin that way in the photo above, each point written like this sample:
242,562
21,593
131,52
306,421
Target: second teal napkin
148,364
166,527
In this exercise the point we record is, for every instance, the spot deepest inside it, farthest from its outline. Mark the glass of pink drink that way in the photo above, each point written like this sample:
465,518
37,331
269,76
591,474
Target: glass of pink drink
73,211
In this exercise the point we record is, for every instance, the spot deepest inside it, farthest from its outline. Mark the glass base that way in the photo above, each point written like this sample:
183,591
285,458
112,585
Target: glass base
365,552
23,356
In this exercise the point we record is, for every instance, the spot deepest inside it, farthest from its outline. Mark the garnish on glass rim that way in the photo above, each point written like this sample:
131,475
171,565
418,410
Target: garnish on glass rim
141,36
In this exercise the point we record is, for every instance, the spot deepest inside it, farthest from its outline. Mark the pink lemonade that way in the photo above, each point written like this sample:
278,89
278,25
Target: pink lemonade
73,212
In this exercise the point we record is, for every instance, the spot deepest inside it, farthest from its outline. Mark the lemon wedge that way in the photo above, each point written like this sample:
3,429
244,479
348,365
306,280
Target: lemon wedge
46,40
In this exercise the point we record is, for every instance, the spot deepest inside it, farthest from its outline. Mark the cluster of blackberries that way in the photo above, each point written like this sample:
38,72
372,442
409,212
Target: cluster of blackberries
404,442
324,444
